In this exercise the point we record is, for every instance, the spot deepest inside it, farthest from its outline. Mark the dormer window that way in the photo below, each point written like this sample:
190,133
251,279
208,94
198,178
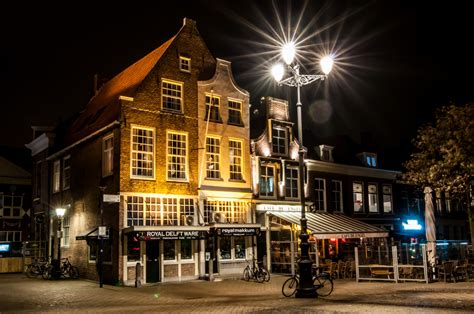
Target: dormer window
368,159
185,64
325,152
279,140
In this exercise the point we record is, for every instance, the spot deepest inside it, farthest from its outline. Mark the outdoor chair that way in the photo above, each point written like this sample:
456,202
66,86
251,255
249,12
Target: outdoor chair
333,270
349,269
446,271
341,269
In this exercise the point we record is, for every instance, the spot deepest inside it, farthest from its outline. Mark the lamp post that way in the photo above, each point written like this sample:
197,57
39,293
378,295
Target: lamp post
57,266
306,287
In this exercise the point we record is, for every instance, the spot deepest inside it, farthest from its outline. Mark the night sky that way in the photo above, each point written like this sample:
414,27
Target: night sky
395,61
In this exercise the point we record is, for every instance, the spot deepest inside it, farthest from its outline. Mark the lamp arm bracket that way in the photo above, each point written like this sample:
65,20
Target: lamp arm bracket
301,80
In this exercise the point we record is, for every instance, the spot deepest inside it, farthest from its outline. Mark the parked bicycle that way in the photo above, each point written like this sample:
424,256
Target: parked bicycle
257,271
37,267
321,280
66,270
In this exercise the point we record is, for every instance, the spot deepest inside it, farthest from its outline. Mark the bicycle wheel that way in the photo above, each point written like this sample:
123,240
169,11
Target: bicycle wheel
266,275
289,287
46,274
246,274
31,271
73,272
259,276
323,285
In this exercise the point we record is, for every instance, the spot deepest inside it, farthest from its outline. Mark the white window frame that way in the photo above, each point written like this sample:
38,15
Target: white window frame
373,198
354,198
233,165
274,193
67,177
185,64
276,136
185,156
107,155
232,250
318,192
337,195
179,91
56,176
65,229
132,151
292,180
389,194
10,236
213,158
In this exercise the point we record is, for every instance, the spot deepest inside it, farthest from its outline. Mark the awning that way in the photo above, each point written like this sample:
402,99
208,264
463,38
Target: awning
88,234
333,225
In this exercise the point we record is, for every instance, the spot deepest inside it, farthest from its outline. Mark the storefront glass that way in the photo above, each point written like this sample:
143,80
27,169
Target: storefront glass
186,249
169,250
239,247
226,248
133,249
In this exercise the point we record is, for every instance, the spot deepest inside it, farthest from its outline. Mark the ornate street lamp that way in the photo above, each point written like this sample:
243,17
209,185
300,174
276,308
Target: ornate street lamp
306,287
56,273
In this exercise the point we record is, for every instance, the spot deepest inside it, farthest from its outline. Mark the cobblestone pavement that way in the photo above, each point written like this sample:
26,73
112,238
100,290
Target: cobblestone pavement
21,294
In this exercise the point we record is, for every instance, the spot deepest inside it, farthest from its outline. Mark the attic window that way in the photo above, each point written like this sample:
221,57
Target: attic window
325,152
185,64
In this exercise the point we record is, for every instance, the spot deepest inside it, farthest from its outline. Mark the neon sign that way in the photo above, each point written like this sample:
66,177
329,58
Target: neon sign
411,224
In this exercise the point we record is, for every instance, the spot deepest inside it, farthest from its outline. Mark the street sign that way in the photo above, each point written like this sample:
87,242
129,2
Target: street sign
111,198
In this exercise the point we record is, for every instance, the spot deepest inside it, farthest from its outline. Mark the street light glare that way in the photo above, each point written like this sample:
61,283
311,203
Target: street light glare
278,71
288,52
326,64
60,211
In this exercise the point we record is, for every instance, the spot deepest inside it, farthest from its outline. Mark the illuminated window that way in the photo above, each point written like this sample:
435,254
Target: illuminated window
66,220
235,112
279,140
235,160
291,182
107,155
336,194
267,181
213,108
143,152
185,64
133,248
358,197
319,194
66,172
373,198
176,157
172,95
213,150
387,198
56,176
231,212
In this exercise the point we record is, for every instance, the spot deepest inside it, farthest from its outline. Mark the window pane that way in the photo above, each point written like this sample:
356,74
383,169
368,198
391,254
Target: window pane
239,247
169,250
133,249
225,246
186,249
142,161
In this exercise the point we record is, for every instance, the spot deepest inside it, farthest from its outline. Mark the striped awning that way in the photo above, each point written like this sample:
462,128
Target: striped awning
333,225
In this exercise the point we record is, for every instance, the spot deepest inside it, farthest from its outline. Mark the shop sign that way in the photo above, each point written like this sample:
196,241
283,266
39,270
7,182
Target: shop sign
351,235
278,208
238,231
171,235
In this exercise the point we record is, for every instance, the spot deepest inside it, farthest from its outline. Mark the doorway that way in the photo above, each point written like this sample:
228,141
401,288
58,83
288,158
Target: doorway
152,261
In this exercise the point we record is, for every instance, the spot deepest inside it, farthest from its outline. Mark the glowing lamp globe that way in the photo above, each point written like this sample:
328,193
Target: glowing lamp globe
326,64
288,52
60,211
278,71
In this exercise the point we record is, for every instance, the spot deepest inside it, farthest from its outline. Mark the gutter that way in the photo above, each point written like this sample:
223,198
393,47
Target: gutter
62,151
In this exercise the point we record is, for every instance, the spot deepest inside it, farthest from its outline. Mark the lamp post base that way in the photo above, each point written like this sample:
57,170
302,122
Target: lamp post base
306,287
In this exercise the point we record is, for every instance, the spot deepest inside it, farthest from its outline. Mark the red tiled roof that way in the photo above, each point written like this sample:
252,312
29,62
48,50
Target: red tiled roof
104,107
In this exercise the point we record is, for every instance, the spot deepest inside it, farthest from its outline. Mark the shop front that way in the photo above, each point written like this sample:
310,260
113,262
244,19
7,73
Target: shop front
332,235
234,244
164,253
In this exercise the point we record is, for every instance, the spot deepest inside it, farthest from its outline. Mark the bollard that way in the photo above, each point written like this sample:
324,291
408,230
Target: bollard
138,275
210,269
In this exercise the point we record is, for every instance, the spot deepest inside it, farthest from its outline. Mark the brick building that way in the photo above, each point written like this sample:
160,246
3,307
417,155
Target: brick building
159,158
